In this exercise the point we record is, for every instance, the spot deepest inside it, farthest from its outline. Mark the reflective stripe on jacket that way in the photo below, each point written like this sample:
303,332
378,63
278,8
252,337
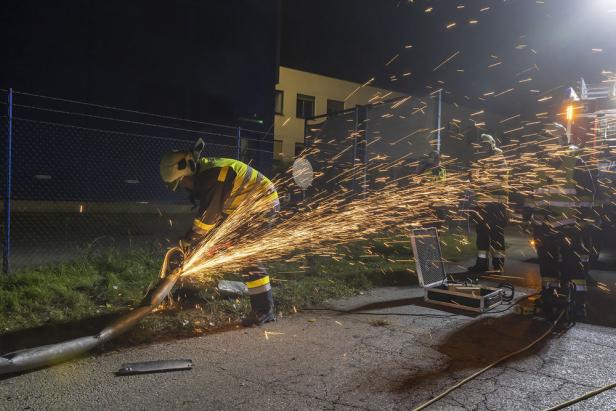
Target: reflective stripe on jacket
222,185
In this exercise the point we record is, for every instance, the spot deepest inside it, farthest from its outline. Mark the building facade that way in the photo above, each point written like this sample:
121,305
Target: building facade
300,95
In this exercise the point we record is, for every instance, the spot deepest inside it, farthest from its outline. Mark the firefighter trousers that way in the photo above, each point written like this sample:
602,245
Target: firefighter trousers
490,222
563,257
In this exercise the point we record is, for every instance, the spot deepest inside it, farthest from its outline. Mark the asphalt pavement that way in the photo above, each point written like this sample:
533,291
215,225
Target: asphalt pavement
386,349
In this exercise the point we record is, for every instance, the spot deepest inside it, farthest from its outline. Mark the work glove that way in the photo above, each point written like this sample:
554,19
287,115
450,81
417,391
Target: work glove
189,242
186,246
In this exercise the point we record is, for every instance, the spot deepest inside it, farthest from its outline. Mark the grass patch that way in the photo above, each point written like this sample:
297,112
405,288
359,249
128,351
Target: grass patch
66,292
115,282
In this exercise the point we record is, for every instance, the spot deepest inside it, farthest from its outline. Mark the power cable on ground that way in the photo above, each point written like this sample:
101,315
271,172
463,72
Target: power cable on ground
415,315
371,313
582,398
500,360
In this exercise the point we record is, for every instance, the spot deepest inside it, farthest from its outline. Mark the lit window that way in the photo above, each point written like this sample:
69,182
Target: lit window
278,102
334,106
305,106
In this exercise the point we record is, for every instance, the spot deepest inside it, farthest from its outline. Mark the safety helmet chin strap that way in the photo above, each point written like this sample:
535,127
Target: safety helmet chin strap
198,148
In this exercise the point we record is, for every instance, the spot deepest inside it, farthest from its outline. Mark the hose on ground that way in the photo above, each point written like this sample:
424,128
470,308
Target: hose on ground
582,398
500,360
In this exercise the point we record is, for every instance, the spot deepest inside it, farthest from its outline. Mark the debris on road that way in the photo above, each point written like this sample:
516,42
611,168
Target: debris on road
154,366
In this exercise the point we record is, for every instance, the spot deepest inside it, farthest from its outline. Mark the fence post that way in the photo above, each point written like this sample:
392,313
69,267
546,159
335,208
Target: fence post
355,130
361,144
438,121
6,252
238,143
365,140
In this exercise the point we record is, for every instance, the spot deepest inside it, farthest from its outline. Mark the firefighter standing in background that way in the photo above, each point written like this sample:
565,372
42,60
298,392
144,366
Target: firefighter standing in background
220,185
489,176
431,171
559,209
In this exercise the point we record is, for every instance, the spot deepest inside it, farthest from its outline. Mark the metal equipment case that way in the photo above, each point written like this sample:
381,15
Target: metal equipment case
433,279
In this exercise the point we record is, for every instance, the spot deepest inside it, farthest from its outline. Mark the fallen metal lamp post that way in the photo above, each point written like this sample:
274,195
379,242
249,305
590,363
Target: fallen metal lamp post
46,355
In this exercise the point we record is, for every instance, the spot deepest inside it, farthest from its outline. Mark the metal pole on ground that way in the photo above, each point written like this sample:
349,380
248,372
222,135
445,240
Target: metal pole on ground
6,251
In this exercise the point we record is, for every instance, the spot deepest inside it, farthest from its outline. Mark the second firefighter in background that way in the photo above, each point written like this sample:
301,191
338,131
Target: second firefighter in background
489,179
433,174
560,210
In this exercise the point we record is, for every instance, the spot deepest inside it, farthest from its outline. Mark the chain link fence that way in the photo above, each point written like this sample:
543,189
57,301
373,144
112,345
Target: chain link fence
80,177
357,149
365,148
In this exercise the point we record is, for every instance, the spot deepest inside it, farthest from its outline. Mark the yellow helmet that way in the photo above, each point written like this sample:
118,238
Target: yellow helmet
175,165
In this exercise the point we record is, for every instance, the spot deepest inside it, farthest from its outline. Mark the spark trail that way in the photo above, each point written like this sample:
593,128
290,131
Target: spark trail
395,205
325,222
337,215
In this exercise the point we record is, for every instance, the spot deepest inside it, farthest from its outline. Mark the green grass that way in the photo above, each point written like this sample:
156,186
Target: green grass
116,282
72,291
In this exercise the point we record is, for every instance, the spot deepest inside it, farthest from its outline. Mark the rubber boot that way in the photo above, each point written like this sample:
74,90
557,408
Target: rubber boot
481,266
548,303
580,305
262,310
498,263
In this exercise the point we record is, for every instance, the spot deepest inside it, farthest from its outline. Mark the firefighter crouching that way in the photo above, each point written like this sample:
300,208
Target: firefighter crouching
559,211
220,186
489,178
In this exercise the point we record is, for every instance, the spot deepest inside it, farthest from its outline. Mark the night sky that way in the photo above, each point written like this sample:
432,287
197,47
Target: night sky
550,42
186,58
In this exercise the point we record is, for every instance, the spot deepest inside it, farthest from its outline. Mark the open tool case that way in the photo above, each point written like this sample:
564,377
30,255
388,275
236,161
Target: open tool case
433,279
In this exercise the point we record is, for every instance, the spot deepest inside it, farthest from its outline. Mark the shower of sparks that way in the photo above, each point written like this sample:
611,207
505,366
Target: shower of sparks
338,215
367,83
356,199
392,59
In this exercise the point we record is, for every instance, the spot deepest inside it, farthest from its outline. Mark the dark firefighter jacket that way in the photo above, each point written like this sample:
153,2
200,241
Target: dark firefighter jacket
564,192
220,187
489,177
